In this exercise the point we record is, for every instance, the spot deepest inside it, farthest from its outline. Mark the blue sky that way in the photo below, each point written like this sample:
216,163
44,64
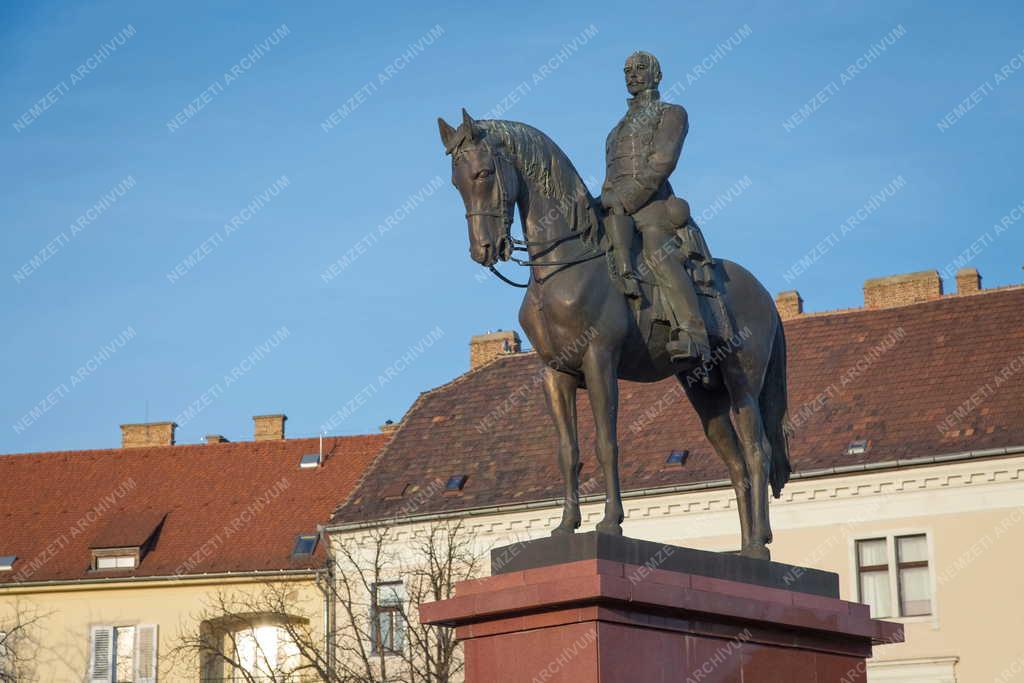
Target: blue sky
187,117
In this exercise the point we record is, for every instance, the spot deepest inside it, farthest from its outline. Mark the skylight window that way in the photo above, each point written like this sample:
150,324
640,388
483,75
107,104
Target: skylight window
305,544
309,461
677,458
455,482
7,562
857,447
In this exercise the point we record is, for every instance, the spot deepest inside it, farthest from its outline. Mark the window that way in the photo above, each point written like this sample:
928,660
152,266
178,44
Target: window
857,447
106,559
677,458
387,620
7,562
115,562
266,653
893,577
305,544
123,654
914,581
455,482
873,576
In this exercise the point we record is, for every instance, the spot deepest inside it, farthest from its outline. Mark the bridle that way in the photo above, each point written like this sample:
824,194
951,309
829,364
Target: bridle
506,213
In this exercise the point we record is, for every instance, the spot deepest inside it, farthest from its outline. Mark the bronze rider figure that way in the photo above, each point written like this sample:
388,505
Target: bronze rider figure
641,152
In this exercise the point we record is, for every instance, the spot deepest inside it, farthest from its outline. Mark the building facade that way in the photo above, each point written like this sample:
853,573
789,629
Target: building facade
169,562
906,425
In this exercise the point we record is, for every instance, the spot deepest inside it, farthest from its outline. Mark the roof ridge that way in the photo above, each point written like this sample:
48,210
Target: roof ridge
178,447
945,298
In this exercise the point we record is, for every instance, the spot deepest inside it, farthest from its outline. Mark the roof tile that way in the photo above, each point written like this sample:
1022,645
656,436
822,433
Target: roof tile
230,507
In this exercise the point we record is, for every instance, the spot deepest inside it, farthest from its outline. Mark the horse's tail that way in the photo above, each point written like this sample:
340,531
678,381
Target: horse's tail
775,414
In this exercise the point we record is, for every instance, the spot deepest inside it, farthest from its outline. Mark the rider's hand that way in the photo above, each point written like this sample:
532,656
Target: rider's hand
611,202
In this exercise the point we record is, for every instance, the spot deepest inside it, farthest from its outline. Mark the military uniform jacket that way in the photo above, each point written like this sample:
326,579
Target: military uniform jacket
643,149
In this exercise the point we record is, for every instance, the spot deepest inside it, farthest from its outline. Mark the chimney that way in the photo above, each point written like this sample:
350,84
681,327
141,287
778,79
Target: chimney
147,434
900,290
215,438
268,427
968,281
389,426
483,348
789,304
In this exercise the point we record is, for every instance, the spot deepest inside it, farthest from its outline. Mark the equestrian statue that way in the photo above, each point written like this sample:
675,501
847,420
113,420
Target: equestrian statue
623,286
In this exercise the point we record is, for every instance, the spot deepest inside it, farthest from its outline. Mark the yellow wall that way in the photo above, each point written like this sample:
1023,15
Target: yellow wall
68,613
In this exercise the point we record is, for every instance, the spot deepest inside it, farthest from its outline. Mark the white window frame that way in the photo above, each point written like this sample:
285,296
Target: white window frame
116,561
890,536
374,635
107,671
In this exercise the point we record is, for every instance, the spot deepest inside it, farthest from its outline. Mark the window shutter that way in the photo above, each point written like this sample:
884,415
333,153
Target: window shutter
102,661
145,653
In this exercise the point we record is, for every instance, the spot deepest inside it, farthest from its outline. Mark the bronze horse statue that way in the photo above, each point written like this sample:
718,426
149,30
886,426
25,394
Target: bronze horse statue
582,325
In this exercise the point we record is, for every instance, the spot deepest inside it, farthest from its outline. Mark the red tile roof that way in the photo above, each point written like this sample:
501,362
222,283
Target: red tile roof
895,377
230,507
125,531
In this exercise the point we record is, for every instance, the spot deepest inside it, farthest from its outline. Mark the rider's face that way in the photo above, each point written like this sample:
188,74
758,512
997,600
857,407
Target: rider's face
639,76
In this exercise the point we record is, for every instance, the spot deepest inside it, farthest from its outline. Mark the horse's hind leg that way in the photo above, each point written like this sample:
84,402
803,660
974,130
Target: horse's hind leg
712,407
746,417
599,368
560,390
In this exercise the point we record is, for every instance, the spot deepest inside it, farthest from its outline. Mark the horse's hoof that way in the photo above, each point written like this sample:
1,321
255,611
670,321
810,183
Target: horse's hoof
613,528
757,552
563,530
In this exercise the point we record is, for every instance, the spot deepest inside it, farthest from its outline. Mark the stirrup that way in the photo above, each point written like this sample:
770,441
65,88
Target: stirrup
686,350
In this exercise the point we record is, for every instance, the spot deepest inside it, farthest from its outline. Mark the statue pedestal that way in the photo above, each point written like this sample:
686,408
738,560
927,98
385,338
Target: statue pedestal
592,608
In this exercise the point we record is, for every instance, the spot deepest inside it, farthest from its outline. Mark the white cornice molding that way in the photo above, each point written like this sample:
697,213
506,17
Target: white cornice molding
948,488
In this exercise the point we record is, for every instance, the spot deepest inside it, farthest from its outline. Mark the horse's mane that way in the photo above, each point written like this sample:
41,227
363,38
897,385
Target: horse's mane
546,165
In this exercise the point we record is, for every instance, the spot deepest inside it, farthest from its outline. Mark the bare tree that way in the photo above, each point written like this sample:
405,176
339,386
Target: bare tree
19,643
372,585
428,565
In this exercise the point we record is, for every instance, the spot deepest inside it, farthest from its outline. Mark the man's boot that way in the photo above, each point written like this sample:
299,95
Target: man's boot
689,344
621,230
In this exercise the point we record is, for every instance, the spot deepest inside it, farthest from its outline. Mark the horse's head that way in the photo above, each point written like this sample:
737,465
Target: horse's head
489,185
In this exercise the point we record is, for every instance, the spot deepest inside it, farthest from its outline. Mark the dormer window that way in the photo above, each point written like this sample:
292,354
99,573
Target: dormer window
7,562
124,542
858,447
115,558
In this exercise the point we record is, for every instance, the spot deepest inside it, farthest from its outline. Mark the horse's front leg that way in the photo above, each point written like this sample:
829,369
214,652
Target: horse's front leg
560,389
599,368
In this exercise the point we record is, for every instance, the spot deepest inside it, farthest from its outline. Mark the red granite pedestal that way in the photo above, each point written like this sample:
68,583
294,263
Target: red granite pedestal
604,621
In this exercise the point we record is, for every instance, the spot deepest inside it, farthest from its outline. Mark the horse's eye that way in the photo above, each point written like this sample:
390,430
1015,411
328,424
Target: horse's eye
483,174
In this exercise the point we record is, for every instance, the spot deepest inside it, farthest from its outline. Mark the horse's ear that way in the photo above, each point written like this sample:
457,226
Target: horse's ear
447,134
471,125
